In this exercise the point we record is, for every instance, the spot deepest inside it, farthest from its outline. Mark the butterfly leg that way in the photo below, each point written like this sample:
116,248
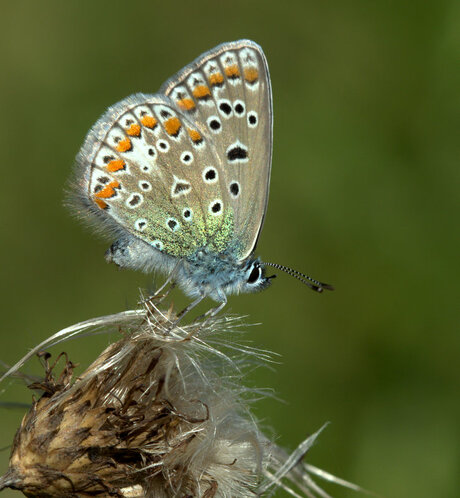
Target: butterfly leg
170,278
212,312
159,298
189,307
207,318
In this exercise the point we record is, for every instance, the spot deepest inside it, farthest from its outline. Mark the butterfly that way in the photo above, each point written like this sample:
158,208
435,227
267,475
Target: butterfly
181,177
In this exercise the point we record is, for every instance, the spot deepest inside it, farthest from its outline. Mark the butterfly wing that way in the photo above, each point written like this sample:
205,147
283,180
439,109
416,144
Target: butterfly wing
226,93
138,161
189,168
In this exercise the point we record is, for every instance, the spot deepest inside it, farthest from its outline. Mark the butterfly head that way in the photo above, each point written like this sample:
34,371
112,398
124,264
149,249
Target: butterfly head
217,275
255,278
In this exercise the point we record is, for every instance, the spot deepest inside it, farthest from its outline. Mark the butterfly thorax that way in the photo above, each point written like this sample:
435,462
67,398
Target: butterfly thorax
218,274
203,273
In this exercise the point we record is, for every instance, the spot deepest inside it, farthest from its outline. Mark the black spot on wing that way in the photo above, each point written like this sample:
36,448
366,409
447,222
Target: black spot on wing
181,188
236,153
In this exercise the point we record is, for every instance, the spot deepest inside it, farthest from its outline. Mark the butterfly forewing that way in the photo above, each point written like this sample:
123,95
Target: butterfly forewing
227,94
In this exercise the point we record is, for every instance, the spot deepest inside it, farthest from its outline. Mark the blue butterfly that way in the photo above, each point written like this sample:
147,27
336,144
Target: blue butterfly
181,177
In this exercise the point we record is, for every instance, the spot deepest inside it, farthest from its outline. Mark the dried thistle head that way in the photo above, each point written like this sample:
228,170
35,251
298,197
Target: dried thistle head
146,414
156,415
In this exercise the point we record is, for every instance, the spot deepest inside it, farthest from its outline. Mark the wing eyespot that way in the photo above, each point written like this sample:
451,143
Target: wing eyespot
187,214
215,207
214,124
186,158
234,189
252,119
239,107
140,224
172,224
163,146
210,175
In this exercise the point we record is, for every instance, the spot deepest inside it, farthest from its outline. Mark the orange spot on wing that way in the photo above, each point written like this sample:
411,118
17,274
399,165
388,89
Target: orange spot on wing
124,145
102,204
251,74
216,79
134,130
108,191
201,92
186,104
149,121
172,126
194,135
115,165
232,71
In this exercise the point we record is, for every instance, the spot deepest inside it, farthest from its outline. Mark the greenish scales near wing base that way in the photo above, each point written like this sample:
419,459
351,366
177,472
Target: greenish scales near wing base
213,233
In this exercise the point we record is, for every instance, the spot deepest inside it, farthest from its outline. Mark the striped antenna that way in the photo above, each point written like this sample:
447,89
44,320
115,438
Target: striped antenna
305,279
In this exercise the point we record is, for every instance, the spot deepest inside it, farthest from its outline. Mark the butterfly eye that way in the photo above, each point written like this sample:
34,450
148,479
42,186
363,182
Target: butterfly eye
254,275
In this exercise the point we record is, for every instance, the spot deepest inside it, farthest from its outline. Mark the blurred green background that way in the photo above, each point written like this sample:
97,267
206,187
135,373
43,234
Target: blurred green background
364,191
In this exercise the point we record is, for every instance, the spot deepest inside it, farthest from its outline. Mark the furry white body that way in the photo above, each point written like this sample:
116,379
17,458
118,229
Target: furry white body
203,274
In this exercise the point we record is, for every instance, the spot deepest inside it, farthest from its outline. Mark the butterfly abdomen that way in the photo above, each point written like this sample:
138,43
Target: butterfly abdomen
131,252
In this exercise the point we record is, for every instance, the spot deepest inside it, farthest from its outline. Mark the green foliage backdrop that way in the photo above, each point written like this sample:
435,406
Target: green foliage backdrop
364,192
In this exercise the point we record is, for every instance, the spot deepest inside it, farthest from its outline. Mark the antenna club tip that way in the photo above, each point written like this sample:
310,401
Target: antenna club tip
321,287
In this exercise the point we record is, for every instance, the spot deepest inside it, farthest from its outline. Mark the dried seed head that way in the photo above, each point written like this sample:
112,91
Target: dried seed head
156,415
146,414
